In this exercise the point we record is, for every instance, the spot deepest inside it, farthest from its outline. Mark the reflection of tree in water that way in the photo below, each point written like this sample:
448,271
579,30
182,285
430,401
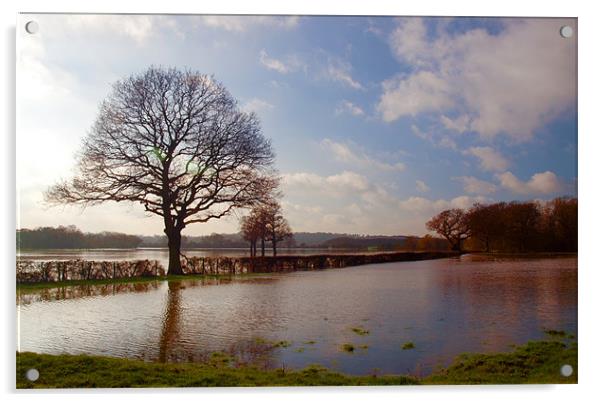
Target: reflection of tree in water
170,331
175,347
25,297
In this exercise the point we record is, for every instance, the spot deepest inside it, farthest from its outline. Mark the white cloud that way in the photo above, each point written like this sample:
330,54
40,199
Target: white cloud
257,105
349,107
472,185
334,185
459,124
540,183
291,64
424,207
489,158
343,153
242,23
409,42
512,82
442,141
139,28
421,186
340,71
273,64
409,96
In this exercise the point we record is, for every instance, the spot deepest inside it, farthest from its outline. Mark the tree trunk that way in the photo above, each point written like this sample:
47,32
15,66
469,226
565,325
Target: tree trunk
251,249
263,247
274,245
174,242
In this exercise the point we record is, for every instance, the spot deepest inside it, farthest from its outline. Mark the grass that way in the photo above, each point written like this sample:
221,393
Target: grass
408,345
536,362
282,344
360,331
348,347
67,371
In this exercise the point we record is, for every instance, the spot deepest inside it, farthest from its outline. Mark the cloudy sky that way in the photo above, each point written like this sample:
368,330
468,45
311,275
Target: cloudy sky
378,123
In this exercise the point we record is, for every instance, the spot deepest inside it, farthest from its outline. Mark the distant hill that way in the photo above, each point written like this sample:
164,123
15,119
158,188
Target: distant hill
367,242
72,237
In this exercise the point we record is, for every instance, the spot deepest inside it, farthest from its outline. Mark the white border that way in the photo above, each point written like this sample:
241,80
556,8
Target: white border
590,68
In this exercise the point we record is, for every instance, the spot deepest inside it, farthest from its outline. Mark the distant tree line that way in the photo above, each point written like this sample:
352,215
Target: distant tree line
510,226
72,237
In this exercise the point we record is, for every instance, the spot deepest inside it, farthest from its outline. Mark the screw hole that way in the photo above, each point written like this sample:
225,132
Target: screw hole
566,370
32,374
566,31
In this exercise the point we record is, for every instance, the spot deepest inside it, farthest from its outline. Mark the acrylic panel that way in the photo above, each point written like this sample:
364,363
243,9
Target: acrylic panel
255,200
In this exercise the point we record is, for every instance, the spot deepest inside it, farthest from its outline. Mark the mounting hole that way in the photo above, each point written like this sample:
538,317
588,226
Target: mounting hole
32,27
566,370
566,31
32,374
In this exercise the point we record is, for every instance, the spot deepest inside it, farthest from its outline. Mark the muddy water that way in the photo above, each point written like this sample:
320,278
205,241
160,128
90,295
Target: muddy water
445,307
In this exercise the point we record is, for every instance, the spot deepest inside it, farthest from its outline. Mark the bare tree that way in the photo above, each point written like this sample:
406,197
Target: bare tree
265,223
277,226
251,232
177,143
451,224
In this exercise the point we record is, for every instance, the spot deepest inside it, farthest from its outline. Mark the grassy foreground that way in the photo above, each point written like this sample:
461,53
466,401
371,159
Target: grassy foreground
535,362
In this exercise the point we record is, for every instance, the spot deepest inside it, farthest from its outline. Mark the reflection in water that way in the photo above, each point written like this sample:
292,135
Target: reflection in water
28,296
445,307
170,332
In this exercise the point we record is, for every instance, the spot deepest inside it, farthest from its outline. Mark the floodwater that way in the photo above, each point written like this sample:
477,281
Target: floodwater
445,307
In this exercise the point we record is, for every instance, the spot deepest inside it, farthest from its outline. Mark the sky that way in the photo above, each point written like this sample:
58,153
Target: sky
378,123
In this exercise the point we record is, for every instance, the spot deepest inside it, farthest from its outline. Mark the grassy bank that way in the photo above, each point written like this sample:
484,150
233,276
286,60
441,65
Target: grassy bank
535,362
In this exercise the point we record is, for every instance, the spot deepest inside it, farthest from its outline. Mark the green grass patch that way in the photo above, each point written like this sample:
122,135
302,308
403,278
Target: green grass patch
348,347
282,344
408,345
67,371
360,331
309,342
534,363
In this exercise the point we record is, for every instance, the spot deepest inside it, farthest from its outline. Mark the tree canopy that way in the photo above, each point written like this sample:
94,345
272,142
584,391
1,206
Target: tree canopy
177,143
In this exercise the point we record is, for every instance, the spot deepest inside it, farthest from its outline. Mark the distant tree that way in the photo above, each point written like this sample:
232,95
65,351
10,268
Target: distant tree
563,218
265,223
177,143
70,237
251,231
522,221
277,226
485,223
411,243
452,224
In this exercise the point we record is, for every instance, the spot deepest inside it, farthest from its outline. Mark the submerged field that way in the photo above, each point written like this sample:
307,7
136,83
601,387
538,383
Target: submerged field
407,318
536,362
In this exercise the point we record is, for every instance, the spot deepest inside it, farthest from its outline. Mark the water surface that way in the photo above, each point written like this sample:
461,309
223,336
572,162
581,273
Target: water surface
445,307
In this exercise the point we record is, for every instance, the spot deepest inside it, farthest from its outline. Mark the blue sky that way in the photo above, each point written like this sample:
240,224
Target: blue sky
377,122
